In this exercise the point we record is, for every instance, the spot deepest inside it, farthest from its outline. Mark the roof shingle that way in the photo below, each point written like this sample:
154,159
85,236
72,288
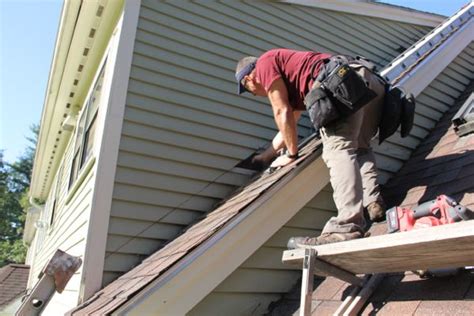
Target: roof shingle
118,292
442,164
13,281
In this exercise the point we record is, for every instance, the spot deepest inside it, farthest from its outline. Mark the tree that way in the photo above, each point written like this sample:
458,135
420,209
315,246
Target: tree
14,183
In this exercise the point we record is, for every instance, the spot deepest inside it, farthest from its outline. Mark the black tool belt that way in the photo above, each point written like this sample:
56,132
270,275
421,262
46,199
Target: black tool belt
398,111
339,90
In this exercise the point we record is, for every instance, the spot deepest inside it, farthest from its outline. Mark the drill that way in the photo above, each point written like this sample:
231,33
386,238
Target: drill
440,211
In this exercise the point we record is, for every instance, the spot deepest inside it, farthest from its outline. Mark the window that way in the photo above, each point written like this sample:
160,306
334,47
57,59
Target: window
57,189
85,130
463,121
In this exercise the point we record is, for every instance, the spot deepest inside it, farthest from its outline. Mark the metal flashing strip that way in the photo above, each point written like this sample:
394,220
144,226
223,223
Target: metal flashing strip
407,61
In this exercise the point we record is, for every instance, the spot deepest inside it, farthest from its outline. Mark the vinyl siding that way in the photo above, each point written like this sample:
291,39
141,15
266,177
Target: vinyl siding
71,216
68,232
262,276
185,128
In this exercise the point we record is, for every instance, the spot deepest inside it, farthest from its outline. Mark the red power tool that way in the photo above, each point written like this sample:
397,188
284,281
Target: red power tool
443,210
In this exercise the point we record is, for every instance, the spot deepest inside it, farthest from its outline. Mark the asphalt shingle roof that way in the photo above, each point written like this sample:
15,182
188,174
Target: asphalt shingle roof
442,164
13,281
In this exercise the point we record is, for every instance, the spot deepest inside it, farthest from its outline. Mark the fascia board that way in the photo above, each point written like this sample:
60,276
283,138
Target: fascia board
424,73
372,9
208,265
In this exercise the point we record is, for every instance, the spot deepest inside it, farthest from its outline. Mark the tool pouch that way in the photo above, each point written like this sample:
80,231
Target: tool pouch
320,108
349,90
398,110
341,93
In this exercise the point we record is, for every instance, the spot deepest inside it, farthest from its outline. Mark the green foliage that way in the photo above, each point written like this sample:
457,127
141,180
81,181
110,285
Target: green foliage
10,210
12,252
14,183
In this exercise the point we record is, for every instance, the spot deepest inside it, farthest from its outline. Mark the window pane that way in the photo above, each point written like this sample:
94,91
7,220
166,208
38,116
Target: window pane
85,132
89,141
74,169
94,99
80,130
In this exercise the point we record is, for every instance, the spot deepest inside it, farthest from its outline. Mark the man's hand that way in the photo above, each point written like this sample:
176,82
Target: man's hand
263,160
282,161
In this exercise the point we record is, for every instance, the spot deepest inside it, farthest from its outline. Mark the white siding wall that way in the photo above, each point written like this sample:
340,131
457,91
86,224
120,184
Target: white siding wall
70,218
185,128
68,233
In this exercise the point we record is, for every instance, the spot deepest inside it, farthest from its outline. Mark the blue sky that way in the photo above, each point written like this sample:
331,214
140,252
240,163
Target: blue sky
28,31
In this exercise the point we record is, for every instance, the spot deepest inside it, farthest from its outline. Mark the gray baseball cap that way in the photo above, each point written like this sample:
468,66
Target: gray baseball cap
244,67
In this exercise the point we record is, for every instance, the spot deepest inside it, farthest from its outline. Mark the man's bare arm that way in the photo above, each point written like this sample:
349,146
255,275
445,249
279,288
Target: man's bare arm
278,142
284,117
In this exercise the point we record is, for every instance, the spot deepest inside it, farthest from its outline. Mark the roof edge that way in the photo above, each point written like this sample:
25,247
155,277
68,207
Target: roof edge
375,9
63,96
67,23
214,260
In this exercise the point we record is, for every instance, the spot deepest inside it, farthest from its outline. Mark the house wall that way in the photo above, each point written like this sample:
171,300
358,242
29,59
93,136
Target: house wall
185,128
68,208
262,278
67,232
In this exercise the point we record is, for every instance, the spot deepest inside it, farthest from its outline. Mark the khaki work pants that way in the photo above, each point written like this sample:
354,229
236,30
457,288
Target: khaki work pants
351,163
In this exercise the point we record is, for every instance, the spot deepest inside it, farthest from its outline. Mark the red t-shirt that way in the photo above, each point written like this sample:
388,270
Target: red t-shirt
294,67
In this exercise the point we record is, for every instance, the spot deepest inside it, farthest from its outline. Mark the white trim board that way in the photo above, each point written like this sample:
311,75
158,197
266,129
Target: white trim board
373,9
205,268
110,120
69,15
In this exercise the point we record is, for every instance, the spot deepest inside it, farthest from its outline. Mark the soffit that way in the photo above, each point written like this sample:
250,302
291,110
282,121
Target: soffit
75,63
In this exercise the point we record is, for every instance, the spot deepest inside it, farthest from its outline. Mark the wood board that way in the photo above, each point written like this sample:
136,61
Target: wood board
428,248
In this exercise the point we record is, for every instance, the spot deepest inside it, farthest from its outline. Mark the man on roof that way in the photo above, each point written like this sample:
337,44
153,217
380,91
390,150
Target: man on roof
343,97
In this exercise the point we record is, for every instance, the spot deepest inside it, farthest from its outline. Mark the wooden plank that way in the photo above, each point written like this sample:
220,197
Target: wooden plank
428,248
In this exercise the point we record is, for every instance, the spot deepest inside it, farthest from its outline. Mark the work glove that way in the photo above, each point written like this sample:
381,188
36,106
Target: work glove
259,161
